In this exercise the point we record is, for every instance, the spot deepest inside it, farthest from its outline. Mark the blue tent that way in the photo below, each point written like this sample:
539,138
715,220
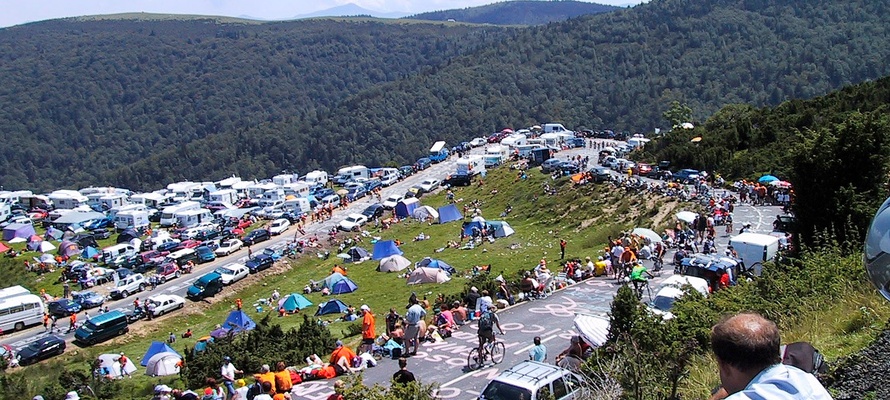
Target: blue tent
332,306
89,252
238,321
385,248
344,285
406,207
332,279
449,213
294,302
434,263
468,227
13,231
155,348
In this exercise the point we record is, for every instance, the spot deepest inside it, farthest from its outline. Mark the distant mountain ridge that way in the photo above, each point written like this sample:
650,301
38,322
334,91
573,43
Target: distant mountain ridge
518,12
350,10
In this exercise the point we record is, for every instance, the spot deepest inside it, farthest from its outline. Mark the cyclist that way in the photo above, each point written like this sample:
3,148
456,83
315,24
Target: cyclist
487,321
638,277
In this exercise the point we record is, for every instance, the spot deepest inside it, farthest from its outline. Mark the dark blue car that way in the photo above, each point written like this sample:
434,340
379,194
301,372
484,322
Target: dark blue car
63,308
423,163
259,262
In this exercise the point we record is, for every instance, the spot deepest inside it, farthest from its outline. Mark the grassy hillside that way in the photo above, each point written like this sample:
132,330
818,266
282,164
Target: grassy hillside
518,12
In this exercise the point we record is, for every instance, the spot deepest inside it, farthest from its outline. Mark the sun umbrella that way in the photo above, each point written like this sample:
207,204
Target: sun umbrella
647,233
686,216
696,139
342,192
781,184
767,179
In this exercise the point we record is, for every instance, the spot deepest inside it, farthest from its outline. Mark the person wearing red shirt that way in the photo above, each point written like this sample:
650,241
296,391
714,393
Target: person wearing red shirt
368,330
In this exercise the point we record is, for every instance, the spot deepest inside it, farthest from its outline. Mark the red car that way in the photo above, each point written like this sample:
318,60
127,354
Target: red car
168,271
642,169
189,244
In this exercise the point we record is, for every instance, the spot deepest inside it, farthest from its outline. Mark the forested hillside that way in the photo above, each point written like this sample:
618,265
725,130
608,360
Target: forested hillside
237,102
519,12
81,97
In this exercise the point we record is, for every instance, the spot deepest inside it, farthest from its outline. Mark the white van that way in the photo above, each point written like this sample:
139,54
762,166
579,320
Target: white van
316,178
136,219
300,204
118,252
495,155
754,249
553,128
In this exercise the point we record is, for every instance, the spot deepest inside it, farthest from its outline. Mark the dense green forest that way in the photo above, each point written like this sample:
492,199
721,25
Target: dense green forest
518,12
138,104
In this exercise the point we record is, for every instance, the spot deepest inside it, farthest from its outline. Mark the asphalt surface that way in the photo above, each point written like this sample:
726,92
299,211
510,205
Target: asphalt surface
445,363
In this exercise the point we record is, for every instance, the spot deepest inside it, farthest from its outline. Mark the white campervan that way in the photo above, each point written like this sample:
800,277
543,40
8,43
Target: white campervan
126,219
224,196
190,218
316,178
168,215
68,199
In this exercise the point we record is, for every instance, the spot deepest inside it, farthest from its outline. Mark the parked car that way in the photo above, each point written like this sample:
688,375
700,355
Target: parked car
258,263
423,163
550,165
392,201
165,303
429,185
414,191
88,299
642,169
62,308
188,244
231,273
168,271
275,254
477,142
228,247
126,286
256,236
531,379
168,246
372,184
352,222
206,286
356,193
41,349
406,171
322,193
457,180
600,174
279,226
569,167
100,234
373,211
686,175
205,254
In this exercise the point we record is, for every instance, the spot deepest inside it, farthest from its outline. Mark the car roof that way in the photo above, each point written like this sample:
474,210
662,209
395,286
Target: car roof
531,374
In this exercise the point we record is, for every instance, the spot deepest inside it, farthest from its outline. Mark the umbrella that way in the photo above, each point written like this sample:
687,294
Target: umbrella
342,192
781,184
696,139
686,216
647,233
767,179
507,130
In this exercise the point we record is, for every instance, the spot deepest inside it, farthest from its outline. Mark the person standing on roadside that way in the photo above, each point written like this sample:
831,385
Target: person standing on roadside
413,316
562,249
228,372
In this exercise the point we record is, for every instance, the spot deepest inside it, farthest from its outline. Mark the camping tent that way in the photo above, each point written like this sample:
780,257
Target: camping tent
89,252
428,275
344,285
238,321
293,302
449,213
434,263
46,246
385,248
424,213
13,231
332,306
3,248
332,279
358,254
110,361
34,243
155,348
468,227
127,235
406,207
501,228
78,217
163,364
393,263
68,249
53,233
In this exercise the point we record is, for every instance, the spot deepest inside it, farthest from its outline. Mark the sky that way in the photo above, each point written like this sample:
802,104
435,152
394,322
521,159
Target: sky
17,12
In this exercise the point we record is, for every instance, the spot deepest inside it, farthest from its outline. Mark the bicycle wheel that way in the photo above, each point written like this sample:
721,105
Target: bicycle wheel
474,361
497,352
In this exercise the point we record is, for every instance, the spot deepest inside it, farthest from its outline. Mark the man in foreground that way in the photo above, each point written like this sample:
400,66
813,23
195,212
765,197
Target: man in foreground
746,347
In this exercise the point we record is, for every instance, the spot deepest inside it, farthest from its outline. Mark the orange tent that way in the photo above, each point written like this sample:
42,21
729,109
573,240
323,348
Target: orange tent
3,248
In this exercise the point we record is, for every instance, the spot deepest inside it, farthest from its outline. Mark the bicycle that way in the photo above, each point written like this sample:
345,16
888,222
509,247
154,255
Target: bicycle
494,350
638,289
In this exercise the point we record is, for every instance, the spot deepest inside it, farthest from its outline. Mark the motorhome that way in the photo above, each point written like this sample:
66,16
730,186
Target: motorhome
472,165
298,189
243,188
555,140
349,173
189,218
556,128
256,190
300,204
68,199
225,196
35,201
183,191
112,200
168,214
152,200
495,155
272,197
14,197
127,207
285,179
514,141
5,211
316,178
438,152
637,142
228,182
136,219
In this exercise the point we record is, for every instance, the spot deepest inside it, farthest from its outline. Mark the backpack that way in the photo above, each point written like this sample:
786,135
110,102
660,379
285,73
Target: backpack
803,356
486,322
255,390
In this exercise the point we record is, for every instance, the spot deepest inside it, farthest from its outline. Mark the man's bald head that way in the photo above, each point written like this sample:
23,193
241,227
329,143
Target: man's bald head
746,341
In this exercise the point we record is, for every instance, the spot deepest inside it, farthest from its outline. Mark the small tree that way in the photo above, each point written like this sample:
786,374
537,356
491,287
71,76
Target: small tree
678,113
